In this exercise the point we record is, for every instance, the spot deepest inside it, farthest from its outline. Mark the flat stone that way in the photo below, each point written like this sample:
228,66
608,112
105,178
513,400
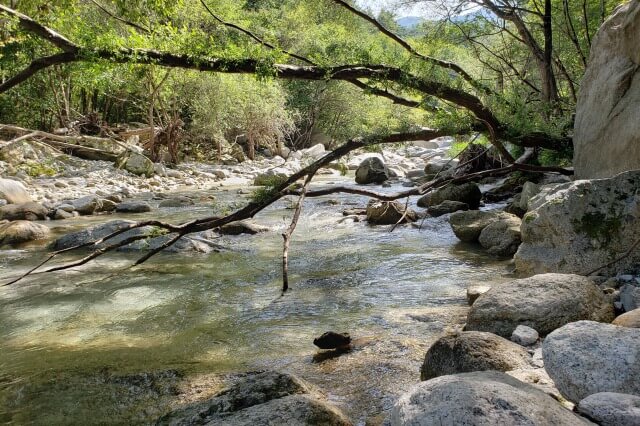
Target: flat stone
133,207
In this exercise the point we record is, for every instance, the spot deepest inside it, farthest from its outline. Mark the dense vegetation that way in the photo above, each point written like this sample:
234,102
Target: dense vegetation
511,68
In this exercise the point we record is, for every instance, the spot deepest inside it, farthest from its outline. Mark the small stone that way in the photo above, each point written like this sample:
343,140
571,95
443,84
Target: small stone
332,340
628,319
62,214
525,336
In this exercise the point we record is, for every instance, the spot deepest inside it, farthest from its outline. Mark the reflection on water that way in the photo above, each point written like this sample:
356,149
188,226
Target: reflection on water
103,344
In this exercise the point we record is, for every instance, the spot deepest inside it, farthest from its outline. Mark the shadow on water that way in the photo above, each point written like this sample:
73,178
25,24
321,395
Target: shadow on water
100,344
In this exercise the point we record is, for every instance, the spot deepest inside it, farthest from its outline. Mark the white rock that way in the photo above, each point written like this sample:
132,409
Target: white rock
525,336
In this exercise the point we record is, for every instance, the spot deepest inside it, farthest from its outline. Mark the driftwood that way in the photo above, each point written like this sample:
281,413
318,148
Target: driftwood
74,145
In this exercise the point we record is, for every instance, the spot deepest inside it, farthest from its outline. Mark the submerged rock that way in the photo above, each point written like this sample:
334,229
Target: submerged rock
472,351
257,399
543,302
485,398
587,357
579,226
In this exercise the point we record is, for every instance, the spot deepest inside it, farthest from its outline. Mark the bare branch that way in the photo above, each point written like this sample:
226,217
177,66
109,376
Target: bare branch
118,18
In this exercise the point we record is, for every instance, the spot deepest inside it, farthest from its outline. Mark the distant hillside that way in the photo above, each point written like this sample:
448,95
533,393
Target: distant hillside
410,22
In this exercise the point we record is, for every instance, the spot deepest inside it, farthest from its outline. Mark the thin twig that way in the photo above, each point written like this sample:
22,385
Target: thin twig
287,234
616,260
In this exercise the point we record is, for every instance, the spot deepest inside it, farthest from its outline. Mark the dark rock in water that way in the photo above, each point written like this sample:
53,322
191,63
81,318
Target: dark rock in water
446,207
332,340
242,227
468,193
133,207
372,170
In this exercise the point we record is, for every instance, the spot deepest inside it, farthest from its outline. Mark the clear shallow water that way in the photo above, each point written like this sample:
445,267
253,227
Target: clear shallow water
105,345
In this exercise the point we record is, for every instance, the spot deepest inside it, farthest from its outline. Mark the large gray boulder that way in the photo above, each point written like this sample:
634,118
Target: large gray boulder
13,192
24,211
22,231
579,226
468,193
502,237
371,170
611,409
468,225
135,163
607,130
469,351
587,357
543,302
480,398
267,398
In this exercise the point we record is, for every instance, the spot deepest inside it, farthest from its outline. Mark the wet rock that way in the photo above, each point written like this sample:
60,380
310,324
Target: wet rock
475,291
87,205
107,205
472,351
468,193
587,357
437,168
24,211
371,170
579,226
525,336
135,163
14,192
355,212
179,201
66,207
502,237
260,398
332,340
543,302
611,409
468,225
447,207
96,232
483,398
628,319
243,227
62,214
389,213
133,207
22,231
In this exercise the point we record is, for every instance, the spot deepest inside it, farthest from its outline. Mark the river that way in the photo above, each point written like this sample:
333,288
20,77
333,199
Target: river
103,344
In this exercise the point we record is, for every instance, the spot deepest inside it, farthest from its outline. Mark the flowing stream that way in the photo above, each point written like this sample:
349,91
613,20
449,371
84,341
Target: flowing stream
102,344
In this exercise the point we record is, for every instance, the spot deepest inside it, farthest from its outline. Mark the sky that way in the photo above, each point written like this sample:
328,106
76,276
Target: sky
376,5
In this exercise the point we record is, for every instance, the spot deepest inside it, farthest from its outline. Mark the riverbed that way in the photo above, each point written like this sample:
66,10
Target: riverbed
108,344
